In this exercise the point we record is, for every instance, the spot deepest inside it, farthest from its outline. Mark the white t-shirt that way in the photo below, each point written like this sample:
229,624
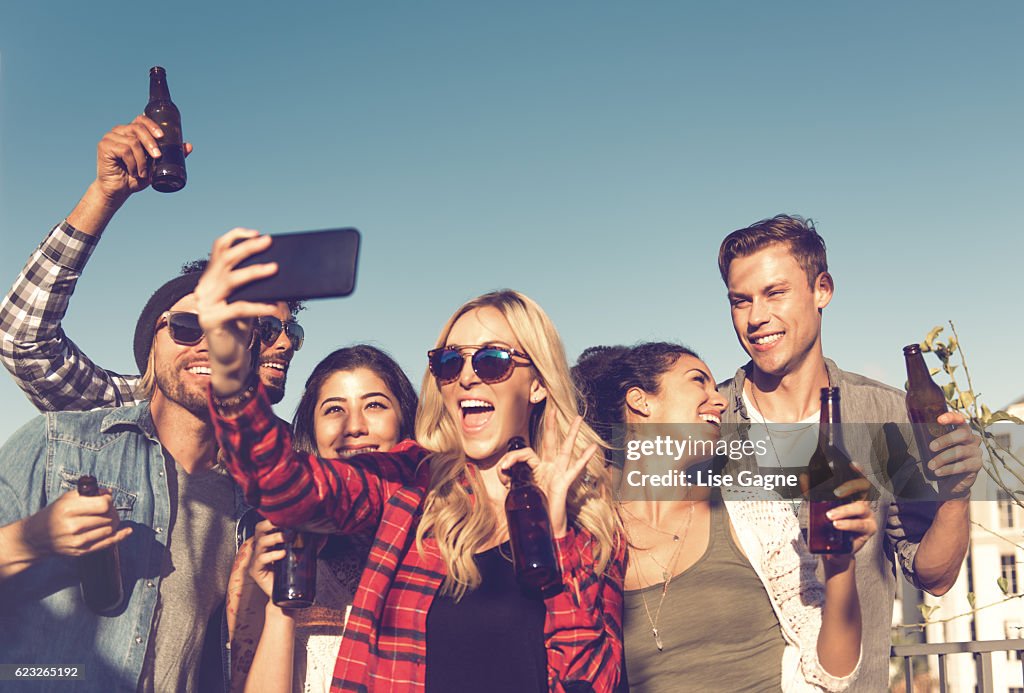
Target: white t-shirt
787,445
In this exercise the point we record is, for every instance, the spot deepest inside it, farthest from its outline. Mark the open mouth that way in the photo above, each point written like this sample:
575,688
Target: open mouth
345,453
475,413
199,370
713,419
766,341
279,368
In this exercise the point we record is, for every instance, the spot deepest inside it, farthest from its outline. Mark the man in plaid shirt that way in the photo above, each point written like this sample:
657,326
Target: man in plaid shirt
51,369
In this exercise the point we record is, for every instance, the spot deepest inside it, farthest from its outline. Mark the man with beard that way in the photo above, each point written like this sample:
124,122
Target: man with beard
167,504
51,368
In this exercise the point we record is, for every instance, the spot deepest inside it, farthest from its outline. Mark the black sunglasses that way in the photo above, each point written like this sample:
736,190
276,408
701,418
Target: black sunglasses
183,327
492,364
269,329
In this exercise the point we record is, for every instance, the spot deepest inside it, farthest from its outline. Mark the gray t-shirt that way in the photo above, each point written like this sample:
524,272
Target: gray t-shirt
194,577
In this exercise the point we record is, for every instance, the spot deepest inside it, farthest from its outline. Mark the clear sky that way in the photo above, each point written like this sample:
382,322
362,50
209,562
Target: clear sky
592,155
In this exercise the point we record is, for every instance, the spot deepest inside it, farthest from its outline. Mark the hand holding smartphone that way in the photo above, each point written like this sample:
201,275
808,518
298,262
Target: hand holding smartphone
311,264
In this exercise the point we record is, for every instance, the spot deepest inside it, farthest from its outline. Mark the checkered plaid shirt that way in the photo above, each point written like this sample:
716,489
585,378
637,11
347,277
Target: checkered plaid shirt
48,366
385,643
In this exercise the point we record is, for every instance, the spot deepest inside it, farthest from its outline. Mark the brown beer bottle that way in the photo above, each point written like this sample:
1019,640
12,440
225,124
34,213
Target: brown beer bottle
168,172
529,531
925,403
295,574
99,571
830,467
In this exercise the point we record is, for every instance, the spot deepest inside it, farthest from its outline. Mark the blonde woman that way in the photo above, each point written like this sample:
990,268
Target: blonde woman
437,607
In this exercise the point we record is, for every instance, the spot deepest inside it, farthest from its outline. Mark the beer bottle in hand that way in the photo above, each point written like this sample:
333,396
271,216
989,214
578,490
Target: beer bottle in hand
99,571
168,172
529,531
830,467
925,403
295,574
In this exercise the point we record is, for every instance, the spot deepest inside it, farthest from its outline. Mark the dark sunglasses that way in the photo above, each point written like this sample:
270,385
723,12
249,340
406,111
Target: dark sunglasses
269,329
491,363
183,327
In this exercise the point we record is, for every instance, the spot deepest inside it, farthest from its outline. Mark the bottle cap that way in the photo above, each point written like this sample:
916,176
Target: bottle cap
516,443
912,349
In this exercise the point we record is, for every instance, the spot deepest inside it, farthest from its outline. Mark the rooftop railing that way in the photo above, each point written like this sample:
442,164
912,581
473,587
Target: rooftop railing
981,650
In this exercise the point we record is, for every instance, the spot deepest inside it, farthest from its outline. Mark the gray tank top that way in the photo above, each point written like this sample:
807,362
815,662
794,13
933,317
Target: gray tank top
718,626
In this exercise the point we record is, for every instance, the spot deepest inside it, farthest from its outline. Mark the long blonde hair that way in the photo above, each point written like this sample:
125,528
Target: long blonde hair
462,526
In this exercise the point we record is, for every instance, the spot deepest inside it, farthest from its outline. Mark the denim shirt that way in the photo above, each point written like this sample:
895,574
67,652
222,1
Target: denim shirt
43,619
904,505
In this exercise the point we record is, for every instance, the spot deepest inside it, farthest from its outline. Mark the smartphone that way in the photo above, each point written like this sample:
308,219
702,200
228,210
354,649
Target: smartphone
310,264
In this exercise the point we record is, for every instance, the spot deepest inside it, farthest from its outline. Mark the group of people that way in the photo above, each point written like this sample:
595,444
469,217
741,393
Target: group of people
696,587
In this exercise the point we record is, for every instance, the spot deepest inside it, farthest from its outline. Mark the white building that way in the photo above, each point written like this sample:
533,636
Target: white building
996,551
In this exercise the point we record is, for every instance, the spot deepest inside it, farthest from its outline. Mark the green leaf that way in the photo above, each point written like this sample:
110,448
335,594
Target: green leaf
1004,585
926,345
967,398
971,600
952,345
949,389
986,413
934,371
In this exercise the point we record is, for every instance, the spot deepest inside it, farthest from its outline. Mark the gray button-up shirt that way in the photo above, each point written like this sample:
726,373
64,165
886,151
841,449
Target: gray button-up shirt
881,442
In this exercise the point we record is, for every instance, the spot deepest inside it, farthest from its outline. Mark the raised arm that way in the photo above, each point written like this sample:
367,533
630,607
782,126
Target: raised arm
53,372
936,564
289,487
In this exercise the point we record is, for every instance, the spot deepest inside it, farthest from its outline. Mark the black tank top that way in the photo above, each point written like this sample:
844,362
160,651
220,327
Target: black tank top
492,640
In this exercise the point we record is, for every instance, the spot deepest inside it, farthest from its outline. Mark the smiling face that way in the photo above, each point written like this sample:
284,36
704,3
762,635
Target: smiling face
776,315
488,415
687,394
275,358
182,373
355,412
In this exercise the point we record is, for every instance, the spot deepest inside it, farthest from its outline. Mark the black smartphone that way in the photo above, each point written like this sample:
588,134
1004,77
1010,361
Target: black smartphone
310,264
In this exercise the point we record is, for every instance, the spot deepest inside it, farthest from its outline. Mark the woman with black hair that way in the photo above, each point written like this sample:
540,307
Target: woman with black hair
720,592
356,400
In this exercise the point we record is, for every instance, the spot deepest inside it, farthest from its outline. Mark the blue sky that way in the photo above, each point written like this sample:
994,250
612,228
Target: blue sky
592,155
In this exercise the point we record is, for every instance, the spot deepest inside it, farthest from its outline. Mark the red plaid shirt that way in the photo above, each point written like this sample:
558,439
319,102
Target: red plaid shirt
385,643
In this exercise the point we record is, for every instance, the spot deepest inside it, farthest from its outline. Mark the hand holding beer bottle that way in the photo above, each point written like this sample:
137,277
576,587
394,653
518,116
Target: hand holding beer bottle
538,496
832,484
949,452
283,564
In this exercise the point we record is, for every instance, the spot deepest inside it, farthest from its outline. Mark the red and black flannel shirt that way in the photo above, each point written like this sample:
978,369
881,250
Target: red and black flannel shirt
385,643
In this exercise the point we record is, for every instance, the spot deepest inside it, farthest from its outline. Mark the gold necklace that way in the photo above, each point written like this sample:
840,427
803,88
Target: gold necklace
667,572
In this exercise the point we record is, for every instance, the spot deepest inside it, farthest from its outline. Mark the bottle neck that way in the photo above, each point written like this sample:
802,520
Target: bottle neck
830,431
917,371
158,90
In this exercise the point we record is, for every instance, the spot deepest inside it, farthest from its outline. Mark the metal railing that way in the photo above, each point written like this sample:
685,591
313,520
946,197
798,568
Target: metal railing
981,650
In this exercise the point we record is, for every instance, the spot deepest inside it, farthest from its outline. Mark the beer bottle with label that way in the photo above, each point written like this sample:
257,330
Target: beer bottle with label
167,173
295,574
925,403
830,467
99,571
529,531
